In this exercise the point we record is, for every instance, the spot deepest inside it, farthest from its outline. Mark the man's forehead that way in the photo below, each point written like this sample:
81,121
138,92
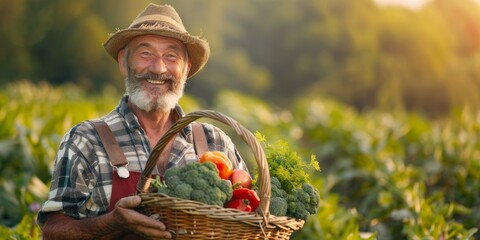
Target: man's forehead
155,40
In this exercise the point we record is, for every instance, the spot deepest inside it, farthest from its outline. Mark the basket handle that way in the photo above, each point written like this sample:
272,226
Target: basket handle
261,160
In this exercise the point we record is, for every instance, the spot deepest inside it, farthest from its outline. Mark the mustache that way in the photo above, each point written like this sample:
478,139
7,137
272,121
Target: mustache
153,76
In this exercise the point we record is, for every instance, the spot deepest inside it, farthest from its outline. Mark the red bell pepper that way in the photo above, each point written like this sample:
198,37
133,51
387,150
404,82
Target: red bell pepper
244,199
240,204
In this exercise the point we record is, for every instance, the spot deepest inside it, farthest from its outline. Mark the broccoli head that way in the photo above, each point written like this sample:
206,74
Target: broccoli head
302,202
214,196
314,197
226,187
278,206
297,203
197,195
197,181
173,180
296,209
276,188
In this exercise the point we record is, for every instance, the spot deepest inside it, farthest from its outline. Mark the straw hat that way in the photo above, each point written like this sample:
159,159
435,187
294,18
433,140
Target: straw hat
164,21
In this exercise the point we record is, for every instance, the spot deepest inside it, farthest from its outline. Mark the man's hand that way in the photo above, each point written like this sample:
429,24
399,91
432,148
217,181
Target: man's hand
121,222
125,216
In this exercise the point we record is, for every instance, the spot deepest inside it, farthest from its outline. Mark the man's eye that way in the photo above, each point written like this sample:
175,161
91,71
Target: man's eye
171,56
145,53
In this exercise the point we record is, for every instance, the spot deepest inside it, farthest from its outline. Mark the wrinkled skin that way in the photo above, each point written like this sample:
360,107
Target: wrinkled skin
121,221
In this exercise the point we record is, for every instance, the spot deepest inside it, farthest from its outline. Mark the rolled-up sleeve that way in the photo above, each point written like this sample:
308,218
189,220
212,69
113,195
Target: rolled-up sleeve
73,178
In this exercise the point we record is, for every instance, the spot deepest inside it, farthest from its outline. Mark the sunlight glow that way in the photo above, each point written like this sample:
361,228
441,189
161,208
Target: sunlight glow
411,4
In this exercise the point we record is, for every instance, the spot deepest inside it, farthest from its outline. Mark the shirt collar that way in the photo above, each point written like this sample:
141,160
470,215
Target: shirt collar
132,120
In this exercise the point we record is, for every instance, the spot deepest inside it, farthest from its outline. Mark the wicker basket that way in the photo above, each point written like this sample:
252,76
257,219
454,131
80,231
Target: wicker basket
188,219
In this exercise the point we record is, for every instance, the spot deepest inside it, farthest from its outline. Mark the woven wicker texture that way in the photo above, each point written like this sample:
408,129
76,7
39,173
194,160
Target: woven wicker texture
188,219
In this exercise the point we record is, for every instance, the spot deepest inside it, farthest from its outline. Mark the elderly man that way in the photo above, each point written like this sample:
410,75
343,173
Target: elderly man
92,196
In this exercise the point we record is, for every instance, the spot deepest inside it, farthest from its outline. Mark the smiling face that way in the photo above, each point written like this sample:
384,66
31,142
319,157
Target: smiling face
156,69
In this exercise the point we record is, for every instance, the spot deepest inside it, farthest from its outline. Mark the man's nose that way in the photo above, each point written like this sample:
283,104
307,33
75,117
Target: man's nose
158,66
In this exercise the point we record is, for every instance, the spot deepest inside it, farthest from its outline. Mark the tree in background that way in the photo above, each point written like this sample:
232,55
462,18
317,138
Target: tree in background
355,51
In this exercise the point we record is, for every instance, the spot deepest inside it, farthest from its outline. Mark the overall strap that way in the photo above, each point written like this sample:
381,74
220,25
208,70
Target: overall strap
122,185
199,139
115,154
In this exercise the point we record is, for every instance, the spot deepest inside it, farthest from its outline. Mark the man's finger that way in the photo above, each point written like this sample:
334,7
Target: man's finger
154,233
129,202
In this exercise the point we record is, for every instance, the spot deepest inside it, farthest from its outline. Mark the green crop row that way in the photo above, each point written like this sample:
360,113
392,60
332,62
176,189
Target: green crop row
384,175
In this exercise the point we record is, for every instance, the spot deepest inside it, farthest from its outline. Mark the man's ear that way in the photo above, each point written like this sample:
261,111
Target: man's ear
121,63
189,65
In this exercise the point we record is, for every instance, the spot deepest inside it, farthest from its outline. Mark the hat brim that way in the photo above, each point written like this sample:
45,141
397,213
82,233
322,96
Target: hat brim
197,48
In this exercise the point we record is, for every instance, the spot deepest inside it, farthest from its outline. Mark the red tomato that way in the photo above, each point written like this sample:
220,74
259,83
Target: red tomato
241,178
224,165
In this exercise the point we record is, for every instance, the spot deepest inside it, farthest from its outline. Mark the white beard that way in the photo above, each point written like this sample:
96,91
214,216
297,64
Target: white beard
148,102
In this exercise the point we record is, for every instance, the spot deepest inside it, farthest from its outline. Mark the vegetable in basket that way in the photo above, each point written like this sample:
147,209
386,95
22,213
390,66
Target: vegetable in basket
292,195
244,199
224,165
278,199
241,178
196,181
299,203
286,165
302,202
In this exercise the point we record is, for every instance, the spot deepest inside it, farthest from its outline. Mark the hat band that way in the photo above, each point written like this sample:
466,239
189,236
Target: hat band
157,18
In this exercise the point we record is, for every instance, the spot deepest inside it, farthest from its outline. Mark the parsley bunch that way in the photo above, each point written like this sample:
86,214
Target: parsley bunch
286,165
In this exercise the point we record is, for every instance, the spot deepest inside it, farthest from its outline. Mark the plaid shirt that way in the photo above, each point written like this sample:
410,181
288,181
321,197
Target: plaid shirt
82,175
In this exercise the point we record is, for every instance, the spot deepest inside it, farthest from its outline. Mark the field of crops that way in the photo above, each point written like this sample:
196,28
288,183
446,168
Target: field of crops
393,175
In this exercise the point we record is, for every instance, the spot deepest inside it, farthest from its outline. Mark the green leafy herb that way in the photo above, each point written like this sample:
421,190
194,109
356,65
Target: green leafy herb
286,165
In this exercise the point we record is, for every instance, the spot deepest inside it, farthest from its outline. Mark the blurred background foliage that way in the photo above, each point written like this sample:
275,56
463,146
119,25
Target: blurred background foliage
365,55
386,97
385,175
